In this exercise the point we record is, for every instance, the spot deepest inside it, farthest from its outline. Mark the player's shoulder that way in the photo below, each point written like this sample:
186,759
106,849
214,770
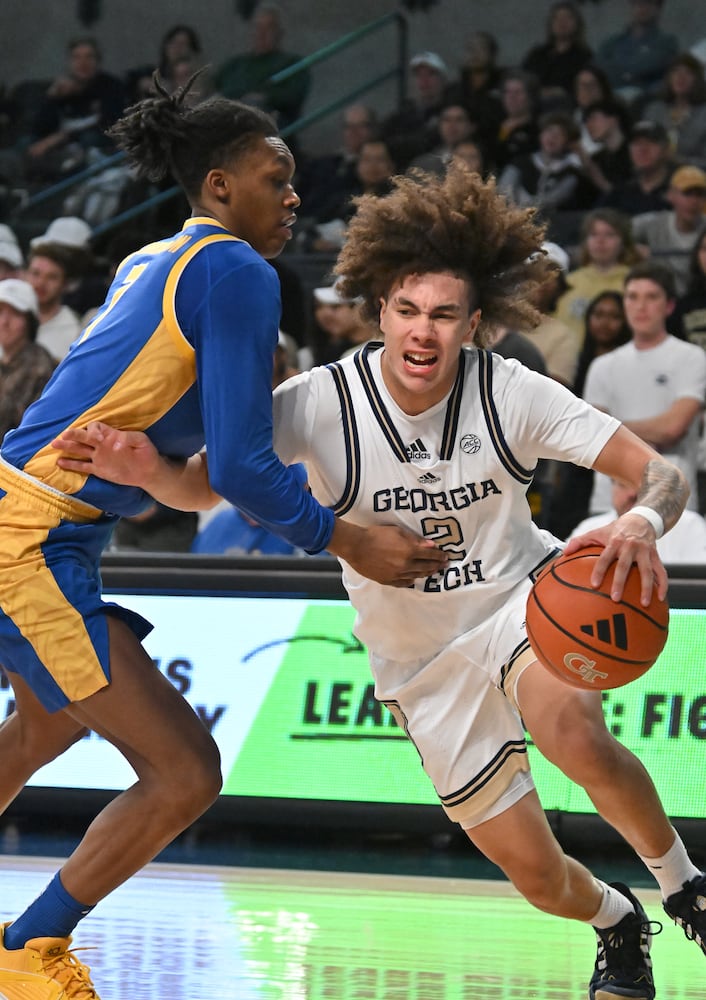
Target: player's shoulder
506,372
218,254
686,349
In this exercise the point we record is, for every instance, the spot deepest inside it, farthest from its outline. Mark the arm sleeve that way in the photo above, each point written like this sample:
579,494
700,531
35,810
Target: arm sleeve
234,333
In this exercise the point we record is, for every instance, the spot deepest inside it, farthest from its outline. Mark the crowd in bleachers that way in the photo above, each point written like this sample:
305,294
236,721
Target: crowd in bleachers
608,143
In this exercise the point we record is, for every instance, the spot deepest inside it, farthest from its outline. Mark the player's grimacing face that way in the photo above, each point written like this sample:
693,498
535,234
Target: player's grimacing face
425,320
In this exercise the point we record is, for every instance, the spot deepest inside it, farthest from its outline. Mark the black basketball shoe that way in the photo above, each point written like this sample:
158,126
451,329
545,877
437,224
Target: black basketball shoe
687,908
623,965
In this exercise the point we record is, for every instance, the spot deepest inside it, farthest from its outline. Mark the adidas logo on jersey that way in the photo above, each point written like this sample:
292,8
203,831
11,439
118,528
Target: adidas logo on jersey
428,479
416,450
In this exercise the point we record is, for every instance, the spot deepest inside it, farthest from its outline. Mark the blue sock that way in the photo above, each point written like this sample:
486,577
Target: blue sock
54,913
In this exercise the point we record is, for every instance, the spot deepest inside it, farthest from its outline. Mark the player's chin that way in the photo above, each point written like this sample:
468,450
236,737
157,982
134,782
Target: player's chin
275,245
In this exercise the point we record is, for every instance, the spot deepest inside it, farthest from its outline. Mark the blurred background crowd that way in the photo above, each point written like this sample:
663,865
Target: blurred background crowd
607,141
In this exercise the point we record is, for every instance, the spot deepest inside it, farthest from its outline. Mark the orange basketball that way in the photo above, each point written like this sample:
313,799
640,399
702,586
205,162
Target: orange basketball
583,636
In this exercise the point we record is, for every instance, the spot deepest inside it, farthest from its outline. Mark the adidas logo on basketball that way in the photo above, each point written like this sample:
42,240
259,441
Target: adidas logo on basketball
428,479
617,635
417,450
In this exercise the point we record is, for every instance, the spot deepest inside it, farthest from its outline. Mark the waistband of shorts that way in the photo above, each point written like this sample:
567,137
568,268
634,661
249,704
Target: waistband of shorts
42,497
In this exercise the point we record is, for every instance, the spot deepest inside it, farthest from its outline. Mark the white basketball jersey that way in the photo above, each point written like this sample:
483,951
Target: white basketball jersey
457,474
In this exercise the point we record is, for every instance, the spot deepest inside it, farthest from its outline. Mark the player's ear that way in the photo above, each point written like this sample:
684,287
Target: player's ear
473,321
216,183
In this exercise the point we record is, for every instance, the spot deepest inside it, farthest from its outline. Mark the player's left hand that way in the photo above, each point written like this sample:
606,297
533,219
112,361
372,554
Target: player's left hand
125,457
628,541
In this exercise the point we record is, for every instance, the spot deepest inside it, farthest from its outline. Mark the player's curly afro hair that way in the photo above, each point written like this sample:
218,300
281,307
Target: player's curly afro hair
458,224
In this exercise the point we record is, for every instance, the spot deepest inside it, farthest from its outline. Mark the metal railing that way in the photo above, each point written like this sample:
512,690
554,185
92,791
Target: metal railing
397,71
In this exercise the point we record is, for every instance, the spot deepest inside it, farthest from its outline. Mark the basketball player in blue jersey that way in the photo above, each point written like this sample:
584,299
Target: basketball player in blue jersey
432,431
183,350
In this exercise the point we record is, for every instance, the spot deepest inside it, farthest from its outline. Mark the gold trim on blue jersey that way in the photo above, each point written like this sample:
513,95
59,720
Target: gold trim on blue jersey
131,401
502,449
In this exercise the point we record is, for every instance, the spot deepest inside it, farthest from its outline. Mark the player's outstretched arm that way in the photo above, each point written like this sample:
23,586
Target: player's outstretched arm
388,554
130,458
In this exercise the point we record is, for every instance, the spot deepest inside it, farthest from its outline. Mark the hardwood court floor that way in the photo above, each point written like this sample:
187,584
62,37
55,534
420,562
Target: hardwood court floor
182,932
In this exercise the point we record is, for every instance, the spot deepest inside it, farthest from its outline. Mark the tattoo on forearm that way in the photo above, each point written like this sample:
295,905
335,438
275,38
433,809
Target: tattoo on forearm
664,489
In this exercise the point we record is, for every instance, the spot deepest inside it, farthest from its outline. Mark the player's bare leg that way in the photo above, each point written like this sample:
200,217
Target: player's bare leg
31,737
176,761
568,728
178,776
521,843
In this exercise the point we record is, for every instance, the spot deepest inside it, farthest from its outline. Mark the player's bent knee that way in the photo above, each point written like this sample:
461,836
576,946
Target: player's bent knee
543,887
588,754
196,782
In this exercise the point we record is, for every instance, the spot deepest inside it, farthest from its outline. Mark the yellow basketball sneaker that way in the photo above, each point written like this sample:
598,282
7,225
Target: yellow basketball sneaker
25,986
49,957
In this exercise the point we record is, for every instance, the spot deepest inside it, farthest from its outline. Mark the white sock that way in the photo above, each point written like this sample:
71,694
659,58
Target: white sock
673,869
614,906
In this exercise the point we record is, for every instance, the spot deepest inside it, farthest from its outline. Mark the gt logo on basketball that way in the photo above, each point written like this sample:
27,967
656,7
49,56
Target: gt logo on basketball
581,665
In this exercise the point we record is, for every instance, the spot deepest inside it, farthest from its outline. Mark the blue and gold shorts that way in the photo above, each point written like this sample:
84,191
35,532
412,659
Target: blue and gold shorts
53,626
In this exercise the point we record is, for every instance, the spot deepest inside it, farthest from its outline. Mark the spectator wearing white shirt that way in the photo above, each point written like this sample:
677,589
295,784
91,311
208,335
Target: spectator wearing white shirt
655,384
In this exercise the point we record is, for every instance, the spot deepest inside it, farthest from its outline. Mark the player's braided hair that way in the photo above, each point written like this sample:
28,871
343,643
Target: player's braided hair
457,223
164,134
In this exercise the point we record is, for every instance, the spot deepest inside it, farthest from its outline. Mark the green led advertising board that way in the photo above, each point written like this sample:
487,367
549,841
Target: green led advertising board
285,689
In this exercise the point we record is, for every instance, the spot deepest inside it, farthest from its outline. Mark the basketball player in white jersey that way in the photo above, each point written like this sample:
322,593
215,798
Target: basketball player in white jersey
431,432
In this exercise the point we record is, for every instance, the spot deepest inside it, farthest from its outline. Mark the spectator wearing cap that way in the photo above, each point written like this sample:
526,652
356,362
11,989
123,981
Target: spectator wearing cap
11,260
50,270
553,338
652,165
636,58
413,129
338,326
87,285
25,366
681,108
669,236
